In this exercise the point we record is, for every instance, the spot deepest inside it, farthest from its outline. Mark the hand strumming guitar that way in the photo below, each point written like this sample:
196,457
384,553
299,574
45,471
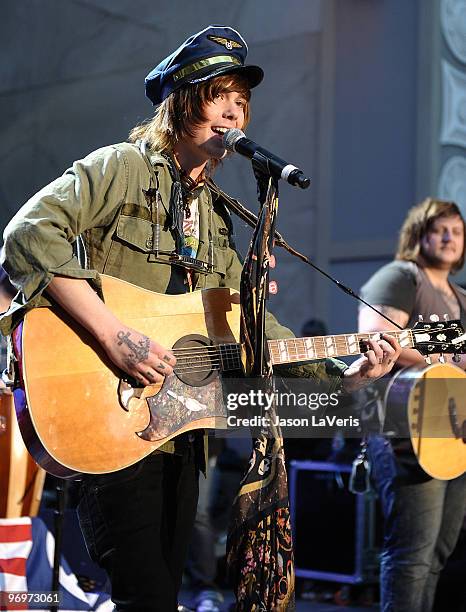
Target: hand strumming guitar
139,356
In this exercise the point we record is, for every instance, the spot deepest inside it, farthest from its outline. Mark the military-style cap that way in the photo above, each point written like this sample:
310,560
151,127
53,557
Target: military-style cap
213,51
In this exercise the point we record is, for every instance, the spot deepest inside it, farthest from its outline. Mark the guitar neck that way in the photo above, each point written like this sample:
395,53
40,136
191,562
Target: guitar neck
292,350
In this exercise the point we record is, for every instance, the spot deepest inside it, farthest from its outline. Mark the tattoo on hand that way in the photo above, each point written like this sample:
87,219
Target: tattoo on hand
161,366
139,351
150,376
166,358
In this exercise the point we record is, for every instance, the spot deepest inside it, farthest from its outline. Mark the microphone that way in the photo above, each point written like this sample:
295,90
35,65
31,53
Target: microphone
234,140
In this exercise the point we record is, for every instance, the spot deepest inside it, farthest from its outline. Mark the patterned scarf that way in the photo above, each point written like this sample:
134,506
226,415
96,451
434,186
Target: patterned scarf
260,547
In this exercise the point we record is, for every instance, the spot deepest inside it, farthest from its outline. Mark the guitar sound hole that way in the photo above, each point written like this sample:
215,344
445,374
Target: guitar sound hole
197,361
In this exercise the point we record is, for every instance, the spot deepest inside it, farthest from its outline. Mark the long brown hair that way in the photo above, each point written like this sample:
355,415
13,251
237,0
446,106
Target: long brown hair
418,222
183,110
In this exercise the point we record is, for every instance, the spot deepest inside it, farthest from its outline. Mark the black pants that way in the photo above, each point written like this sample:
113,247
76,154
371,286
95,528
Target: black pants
137,524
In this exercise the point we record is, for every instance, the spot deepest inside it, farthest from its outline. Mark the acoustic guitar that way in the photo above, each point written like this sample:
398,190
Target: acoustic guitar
433,399
78,413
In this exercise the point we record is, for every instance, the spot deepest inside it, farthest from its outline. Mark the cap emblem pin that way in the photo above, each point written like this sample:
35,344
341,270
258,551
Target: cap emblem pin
225,42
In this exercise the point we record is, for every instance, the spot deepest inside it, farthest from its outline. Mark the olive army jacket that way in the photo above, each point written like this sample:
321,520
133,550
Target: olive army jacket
103,200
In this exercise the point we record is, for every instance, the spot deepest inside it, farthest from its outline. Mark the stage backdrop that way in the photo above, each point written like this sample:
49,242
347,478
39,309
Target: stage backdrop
353,94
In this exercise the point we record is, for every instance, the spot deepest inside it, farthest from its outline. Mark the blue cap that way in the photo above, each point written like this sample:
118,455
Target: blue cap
214,51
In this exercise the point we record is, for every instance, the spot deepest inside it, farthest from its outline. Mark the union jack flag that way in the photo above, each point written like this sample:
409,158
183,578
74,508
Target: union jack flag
26,561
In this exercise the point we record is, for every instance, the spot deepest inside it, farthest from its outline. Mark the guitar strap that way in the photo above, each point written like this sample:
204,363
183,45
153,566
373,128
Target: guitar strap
260,524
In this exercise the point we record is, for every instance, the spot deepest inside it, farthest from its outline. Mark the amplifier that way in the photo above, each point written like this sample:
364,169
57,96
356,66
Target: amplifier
335,534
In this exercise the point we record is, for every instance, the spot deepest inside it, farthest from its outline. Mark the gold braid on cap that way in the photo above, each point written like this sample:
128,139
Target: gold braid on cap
209,61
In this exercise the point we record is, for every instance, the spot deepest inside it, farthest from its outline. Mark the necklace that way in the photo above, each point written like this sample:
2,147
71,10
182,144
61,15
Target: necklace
190,188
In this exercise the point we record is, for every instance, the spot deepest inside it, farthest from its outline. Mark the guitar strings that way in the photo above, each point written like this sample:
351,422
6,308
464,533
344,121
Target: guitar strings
201,360
232,351
204,363
235,347
197,352
208,358
341,338
200,363
197,370
200,368
201,351
190,349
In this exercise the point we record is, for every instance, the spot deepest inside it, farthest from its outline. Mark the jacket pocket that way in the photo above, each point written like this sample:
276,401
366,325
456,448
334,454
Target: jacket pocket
129,254
138,234
135,232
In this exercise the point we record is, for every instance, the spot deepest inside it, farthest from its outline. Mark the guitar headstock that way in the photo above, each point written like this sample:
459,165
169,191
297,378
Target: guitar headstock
439,337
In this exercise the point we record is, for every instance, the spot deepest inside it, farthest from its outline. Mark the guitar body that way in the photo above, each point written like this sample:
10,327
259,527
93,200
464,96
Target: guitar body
436,409
78,413
70,408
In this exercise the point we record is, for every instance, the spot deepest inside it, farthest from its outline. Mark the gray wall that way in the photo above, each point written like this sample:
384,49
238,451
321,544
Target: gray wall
340,98
374,141
399,131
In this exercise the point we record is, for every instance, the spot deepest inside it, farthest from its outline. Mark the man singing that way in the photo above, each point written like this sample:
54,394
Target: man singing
144,212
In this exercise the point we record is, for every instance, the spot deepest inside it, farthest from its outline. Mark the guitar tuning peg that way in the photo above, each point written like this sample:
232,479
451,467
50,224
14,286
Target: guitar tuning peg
420,318
456,358
428,359
446,317
441,358
434,318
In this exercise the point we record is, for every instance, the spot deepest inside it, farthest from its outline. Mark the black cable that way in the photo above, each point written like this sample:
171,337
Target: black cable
251,219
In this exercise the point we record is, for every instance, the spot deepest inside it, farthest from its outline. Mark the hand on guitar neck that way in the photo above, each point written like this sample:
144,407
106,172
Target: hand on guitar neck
141,357
376,362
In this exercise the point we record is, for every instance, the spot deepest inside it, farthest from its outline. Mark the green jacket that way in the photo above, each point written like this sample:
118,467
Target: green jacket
101,199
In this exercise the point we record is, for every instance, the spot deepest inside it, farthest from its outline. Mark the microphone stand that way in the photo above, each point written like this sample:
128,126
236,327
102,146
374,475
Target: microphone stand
261,508
252,219
254,286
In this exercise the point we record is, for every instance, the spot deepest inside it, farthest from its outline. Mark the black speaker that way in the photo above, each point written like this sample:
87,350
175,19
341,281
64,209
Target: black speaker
337,534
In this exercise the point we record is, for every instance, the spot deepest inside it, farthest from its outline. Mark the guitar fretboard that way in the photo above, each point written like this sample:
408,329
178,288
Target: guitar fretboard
320,347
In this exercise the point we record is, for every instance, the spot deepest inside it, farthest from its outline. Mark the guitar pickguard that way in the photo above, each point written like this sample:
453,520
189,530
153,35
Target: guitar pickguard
177,405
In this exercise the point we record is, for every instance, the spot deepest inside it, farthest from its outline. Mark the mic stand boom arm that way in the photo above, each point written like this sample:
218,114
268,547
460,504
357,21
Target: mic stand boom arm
251,219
